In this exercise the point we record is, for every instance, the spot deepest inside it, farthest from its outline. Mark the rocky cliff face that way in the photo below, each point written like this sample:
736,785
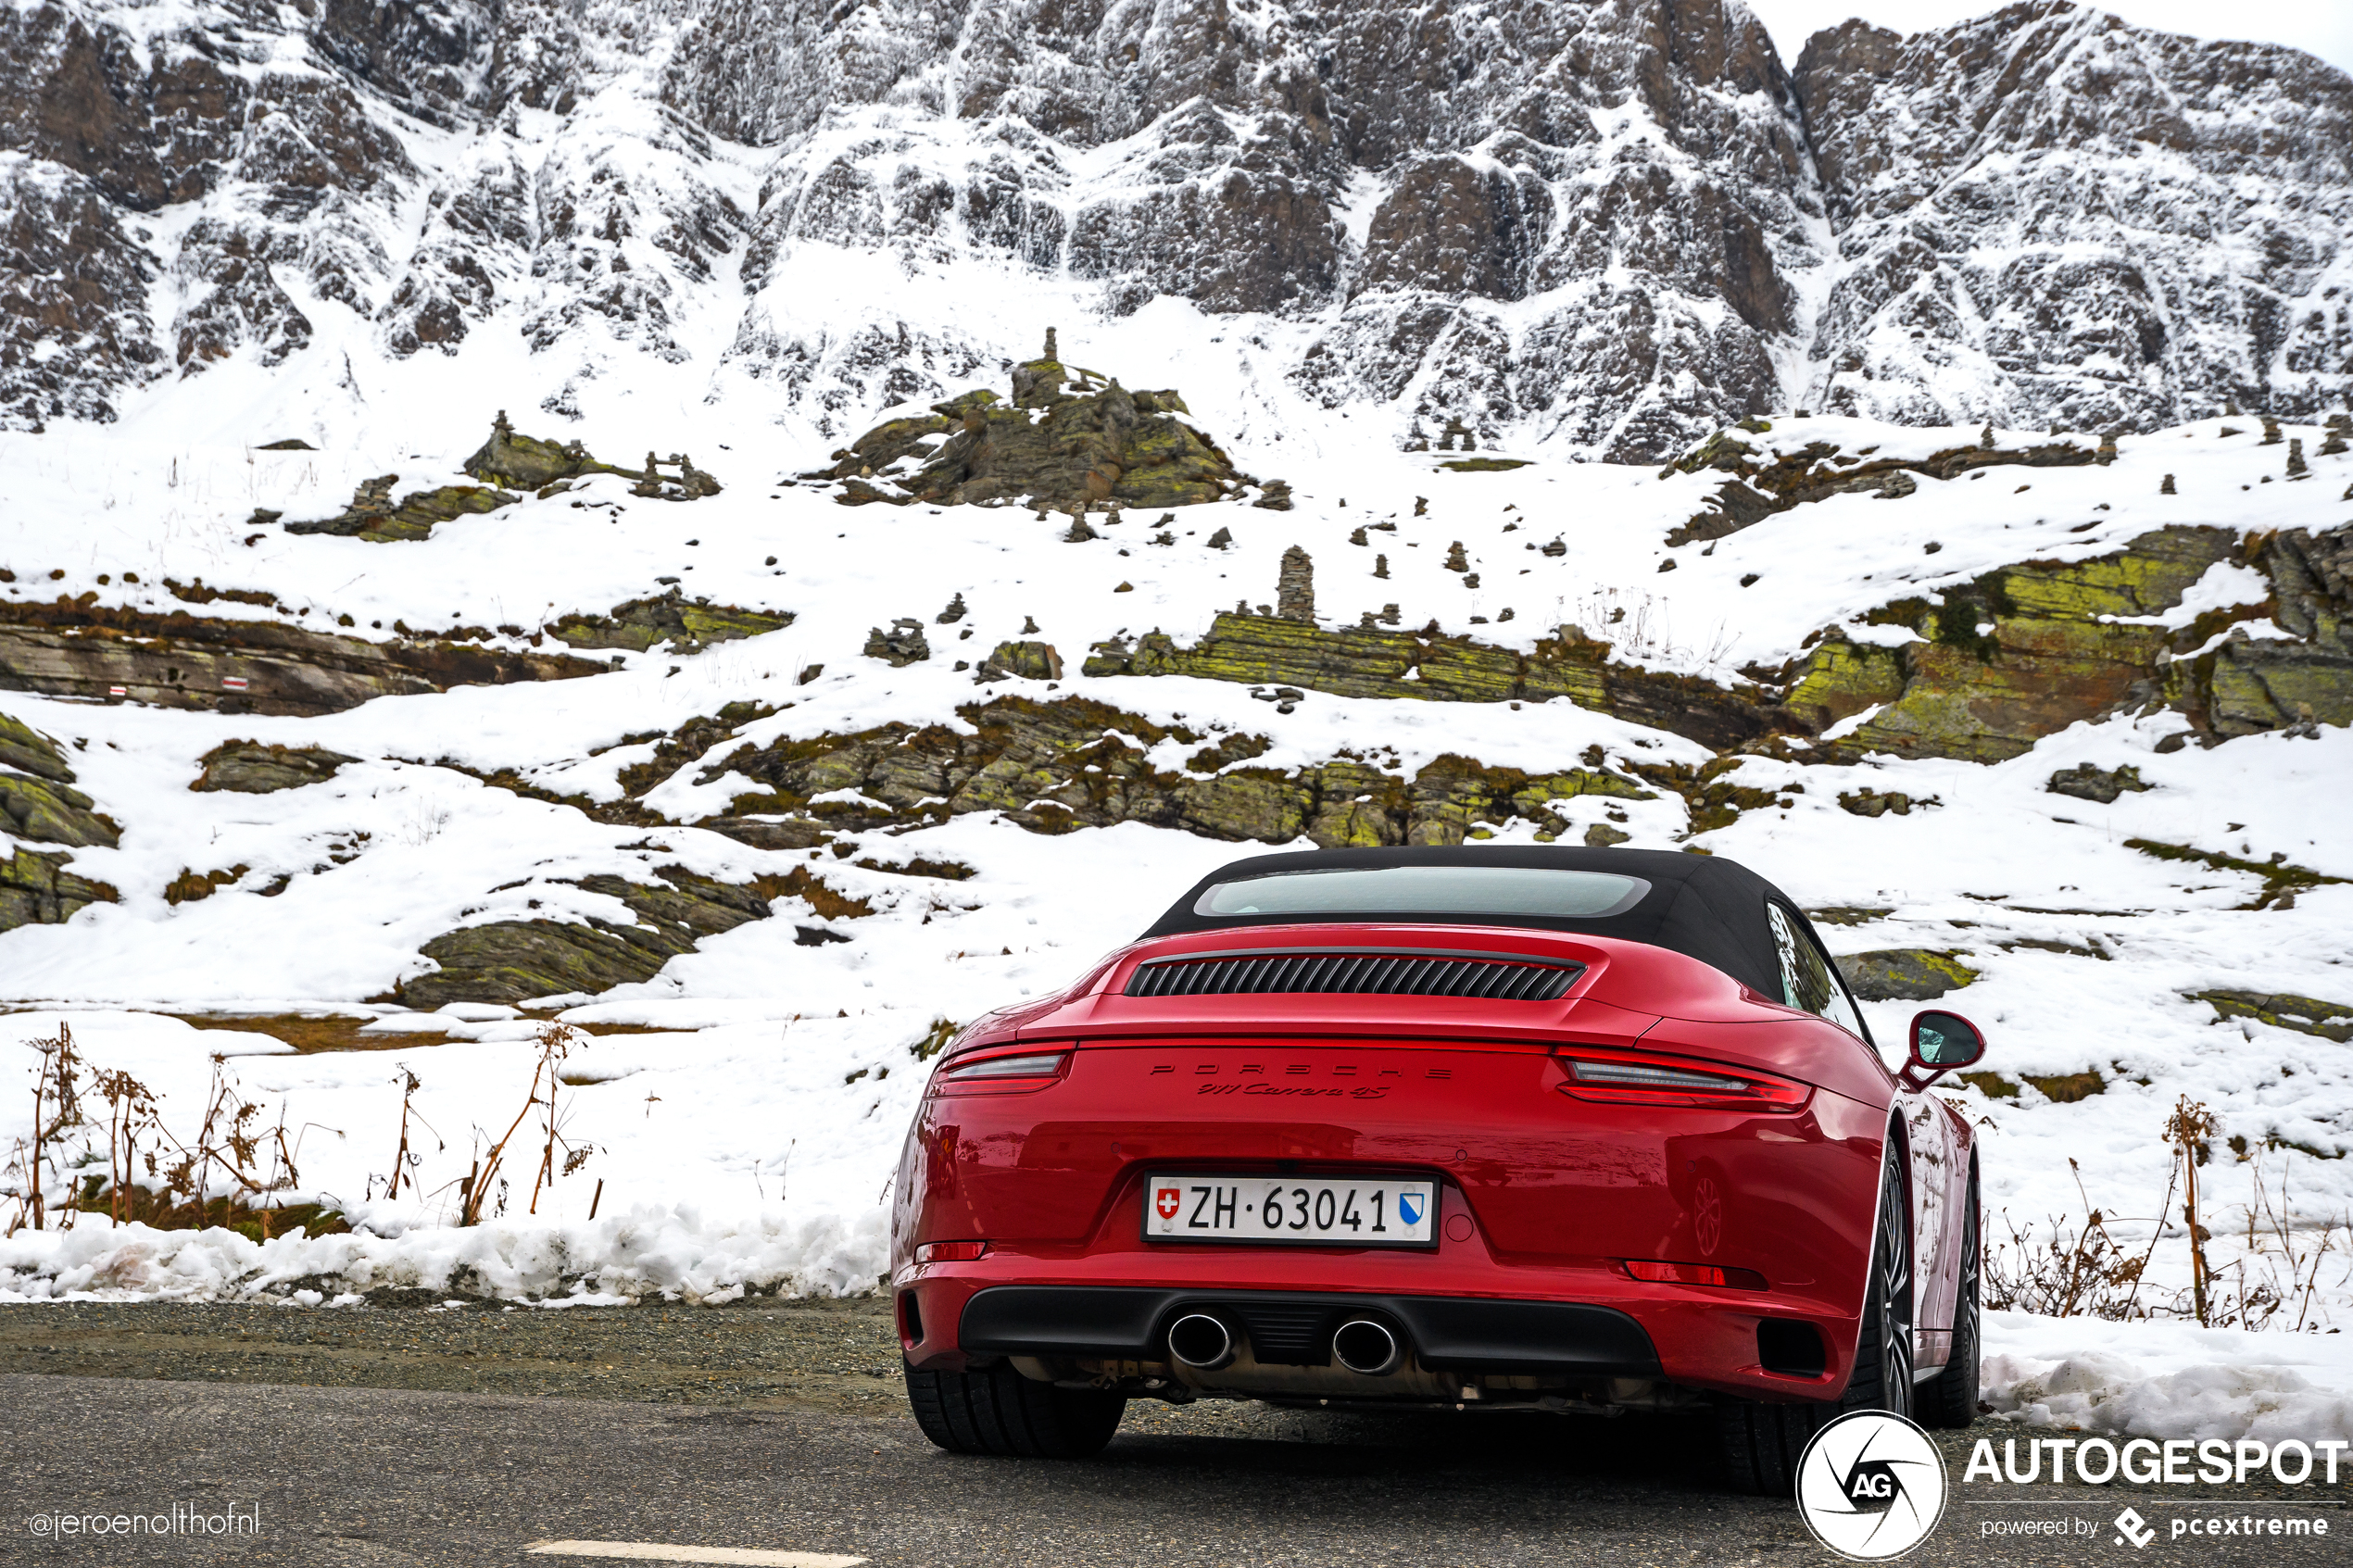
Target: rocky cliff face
2052,218
1607,226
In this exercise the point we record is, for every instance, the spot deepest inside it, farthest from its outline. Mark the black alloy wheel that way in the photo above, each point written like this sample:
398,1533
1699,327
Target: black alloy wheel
1760,1443
1883,1379
1950,1398
997,1410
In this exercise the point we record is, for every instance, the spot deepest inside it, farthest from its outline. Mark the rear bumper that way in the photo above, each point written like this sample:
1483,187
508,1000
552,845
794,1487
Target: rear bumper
1452,1332
1582,1325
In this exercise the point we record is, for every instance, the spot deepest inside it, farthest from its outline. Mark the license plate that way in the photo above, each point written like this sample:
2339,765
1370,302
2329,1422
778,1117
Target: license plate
1295,1210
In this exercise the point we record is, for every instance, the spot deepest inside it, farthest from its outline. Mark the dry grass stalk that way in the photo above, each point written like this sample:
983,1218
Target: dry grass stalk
2075,1271
557,1041
56,1110
404,1161
2191,1131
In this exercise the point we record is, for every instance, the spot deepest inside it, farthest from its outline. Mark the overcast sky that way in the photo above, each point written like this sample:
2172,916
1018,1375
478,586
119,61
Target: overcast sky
2320,27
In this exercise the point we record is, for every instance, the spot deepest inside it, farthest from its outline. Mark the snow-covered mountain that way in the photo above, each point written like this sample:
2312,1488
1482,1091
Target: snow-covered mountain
1603,228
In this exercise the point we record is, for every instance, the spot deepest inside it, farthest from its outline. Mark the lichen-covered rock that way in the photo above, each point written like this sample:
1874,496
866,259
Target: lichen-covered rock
1031,660
1375,662
1071,439
1052,766
512,461
1767,478
375,517
687,625
49,812
29,751
2058,645
2307,1015
181,661
1904,974
2252,684
36,890
516,961
2086,781
248,767
39,802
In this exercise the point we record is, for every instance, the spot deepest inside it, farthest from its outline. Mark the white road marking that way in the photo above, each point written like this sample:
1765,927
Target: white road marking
658,1551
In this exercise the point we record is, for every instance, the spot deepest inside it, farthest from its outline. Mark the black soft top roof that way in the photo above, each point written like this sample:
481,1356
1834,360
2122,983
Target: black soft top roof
1702,906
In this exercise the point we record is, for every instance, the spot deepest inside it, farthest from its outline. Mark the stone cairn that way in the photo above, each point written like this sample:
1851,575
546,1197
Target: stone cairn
1295,587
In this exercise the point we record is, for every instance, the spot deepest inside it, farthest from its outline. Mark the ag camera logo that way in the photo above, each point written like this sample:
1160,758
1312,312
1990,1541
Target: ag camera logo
1870,1485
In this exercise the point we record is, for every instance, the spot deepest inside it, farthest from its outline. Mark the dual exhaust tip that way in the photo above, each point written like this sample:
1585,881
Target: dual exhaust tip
1362,1345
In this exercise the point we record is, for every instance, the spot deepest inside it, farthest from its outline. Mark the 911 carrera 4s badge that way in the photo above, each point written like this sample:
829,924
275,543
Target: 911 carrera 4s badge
1293,1211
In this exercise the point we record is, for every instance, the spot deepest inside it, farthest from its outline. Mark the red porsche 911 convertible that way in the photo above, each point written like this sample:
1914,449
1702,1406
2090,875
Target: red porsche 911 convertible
1573,1130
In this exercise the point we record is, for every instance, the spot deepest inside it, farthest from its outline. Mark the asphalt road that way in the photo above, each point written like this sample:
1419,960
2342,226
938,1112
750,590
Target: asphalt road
815,1453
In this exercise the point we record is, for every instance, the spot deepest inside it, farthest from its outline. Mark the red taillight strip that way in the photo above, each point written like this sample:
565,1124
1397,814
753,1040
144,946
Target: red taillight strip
1619,1077
1655,1271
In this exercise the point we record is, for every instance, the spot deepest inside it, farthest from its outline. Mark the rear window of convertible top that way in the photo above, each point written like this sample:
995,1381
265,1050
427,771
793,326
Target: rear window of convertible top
1504,891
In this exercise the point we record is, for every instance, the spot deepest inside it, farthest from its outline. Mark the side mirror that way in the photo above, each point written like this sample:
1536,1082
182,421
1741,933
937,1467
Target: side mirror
1940,1042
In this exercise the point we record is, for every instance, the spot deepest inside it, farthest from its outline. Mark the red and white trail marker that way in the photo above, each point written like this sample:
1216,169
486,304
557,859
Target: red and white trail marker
233,683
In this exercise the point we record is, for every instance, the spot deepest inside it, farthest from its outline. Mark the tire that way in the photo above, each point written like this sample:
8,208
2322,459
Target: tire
1760,1443
998,1412
1949,1398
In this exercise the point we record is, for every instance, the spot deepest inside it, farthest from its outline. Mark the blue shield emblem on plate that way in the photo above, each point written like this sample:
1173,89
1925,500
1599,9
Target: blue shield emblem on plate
1409,1208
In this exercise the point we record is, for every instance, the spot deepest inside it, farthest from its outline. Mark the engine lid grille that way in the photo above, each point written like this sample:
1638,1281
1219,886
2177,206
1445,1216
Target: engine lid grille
1388,971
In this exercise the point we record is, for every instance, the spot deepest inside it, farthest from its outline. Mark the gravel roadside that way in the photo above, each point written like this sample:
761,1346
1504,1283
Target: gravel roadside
835,1355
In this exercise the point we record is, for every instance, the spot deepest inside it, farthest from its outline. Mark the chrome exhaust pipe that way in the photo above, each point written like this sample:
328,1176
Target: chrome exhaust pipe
1200,1342
1366,1348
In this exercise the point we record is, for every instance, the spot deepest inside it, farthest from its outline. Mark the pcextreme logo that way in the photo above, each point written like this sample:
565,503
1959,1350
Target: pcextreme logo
1870,1485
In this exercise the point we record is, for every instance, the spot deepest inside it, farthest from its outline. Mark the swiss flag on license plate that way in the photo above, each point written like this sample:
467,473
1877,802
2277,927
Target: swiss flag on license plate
1165,1201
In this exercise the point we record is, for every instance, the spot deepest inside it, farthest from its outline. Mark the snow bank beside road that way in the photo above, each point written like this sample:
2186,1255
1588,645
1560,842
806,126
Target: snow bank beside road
670,1253
2166,1380
2145,1379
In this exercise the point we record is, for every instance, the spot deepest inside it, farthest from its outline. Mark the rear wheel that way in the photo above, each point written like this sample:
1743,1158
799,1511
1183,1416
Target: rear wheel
1761,1443
1950,1398
997,1410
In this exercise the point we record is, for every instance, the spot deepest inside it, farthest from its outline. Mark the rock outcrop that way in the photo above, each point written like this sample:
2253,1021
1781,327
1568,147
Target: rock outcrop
2026,650
1071,441
2306,1015
517,961
1788,473
687,625
375,517
1061,764
2049,216
72,649
523,463
513,461
1904,974
248,767
1372,661
38,803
